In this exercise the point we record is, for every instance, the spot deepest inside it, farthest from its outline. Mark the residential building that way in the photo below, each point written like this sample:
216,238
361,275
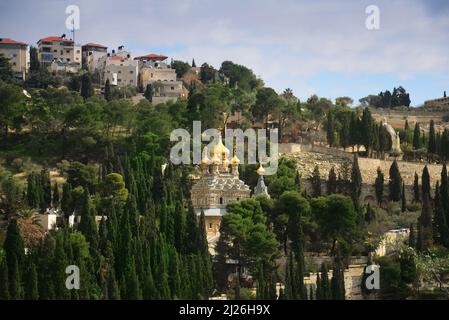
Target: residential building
59,54
154,70
18,54
91,54
119,69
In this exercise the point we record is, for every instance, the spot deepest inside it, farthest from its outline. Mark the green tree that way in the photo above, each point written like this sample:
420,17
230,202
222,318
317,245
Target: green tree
356,180
416,189
330,129
432,146
87,89
332,182
379,185
149,91
316,182
107,91
395,183
417,137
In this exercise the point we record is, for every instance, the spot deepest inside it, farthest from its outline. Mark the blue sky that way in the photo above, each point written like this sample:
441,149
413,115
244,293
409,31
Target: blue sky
318,46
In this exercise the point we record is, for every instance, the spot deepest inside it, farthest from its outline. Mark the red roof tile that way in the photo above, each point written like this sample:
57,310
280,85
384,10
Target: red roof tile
151,56
52,39
117,58
10,41
92,44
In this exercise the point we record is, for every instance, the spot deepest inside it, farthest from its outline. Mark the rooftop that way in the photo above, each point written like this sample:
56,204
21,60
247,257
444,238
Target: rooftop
151,56
53,39
10,41
96,45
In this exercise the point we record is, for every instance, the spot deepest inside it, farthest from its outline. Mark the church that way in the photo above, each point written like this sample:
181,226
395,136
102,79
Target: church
219,184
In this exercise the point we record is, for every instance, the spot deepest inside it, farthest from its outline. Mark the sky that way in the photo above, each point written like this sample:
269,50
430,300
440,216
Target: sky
318,47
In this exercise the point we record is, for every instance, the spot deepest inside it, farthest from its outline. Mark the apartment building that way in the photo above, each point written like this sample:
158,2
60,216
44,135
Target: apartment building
91,54
154,70
119,69
59,54
18,54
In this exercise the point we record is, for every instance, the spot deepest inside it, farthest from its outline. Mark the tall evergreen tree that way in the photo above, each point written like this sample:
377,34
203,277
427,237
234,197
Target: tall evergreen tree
316,182
440,227
107,91
425,182
31,288
403,199
425,237
379,185
338,281
4,282
331,182
87,89
395,183
417,137
416,189
356,180
432,147
330,129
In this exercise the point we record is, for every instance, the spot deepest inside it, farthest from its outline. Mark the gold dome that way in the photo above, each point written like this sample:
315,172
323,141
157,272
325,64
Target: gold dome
205,160
261,170
235,160
220,150
215,159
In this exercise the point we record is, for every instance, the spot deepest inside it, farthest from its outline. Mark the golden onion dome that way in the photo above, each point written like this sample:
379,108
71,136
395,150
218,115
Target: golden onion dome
260,170
205,159
220,149
215,159
235,160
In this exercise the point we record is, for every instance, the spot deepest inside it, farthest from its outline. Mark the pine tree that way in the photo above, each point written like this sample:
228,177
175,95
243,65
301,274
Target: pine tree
416,189
46,186
432,147
87,225
316,182
331,182
395,183
379,185
356,180
14,248
444,193
193,63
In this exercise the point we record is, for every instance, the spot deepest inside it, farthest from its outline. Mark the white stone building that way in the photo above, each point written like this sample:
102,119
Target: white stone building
18,54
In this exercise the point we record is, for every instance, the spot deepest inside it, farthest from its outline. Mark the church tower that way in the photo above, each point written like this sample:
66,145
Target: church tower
218,185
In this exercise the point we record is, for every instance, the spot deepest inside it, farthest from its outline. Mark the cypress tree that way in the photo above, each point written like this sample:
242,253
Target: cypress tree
338,282
425,236
112,286
403,200
55,195
46,186
416,189
367,130
15,286
14,248
87,89
180,227
332,182
87,225
412,237
432,140
107,91
66,200
395,183
325,290
417,137
370,215
148,94
425,183
444,193
356,180
379,185
440,227
4,282
31,289
330,129
316,182
174,280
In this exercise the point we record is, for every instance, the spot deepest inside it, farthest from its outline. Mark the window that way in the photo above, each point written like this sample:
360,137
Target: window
68,59
13,63
210,225
173,88
221,200
67,51
131,81
238,199
14,55
120,71
55,50
77,51
119,80
62,52
131,71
